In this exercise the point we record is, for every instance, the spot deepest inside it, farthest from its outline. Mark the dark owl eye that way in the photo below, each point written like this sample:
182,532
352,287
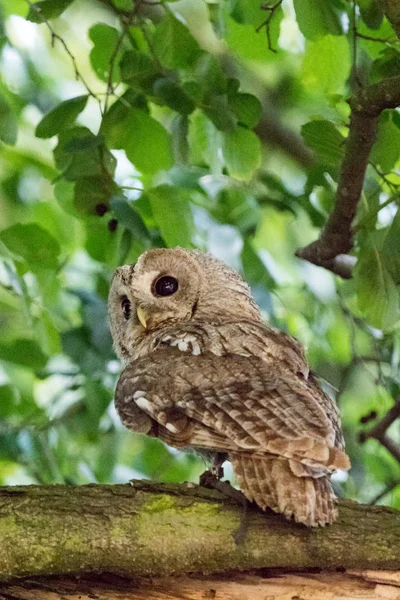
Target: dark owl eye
126,307
165,286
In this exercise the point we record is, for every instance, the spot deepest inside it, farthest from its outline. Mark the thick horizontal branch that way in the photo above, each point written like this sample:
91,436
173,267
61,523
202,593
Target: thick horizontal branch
336,239
158,530
271,585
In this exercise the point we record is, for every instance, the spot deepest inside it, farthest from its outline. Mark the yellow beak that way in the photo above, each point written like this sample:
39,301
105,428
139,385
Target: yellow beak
142,316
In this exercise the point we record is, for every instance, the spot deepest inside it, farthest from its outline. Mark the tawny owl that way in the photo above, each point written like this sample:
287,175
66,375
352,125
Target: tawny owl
203,371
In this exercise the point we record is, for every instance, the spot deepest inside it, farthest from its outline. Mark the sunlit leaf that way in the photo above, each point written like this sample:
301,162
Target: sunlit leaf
8,123
378,295
103,56
47,9
172,212
241,150
326,64
386,149
32,243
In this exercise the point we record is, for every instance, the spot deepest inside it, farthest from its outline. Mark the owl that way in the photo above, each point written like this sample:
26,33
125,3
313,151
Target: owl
204,372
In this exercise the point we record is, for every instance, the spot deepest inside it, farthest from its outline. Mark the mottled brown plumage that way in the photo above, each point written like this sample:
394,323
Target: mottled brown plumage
203,371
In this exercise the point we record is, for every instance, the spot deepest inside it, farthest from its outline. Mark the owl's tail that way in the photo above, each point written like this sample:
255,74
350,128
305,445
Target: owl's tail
271,482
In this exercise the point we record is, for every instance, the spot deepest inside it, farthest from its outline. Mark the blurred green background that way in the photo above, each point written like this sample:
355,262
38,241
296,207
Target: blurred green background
217,125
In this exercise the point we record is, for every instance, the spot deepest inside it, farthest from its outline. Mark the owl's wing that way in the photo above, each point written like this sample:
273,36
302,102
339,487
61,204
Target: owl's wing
243,399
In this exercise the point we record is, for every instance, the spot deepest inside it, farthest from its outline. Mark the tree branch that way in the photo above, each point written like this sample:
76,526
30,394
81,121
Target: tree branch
378,432
149,529
337,236
271,585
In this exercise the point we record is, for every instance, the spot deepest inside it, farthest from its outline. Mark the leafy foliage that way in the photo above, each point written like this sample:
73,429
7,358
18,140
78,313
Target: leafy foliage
212,125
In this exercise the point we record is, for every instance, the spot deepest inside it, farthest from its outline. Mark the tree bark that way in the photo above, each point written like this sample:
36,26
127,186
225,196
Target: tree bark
382,585
159,530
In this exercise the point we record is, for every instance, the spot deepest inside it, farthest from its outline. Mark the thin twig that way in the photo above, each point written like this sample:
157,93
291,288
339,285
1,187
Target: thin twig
267,22
55,36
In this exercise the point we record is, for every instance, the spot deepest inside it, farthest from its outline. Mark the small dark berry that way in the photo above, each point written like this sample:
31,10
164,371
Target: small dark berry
112,224
101,209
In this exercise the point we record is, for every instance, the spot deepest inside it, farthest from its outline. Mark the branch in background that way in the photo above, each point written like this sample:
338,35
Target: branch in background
379,431
273,132
55,36
337,236
156,530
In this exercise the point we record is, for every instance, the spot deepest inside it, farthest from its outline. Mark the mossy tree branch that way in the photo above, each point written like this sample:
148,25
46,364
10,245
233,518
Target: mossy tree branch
151,529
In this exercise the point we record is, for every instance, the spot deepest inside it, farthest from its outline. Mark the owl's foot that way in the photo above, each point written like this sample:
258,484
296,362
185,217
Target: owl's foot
210,480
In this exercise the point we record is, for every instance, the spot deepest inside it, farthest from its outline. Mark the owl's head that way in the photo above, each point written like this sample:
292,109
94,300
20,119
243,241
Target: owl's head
172,286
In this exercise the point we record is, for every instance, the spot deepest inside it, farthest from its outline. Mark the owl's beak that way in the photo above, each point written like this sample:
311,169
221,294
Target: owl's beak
142,316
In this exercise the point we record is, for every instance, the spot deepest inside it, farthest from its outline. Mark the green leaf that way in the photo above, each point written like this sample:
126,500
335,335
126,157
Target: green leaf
377,294
241,150
147,143
8,123
93,194
61,117
391,248
386,150
68,154
130,219
250,43
47,9
317,18
219,112
174,45
204,142
326,64
173,95
8,400
254,268
247,108
136,67
23,352
173,215
32,243
326,141
105,39
47,334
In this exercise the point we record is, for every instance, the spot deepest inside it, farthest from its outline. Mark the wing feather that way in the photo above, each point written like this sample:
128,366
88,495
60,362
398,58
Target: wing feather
243,398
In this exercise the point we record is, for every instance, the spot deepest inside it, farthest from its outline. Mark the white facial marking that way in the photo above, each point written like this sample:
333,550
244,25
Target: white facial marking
172,428
184,343
196,348
144,404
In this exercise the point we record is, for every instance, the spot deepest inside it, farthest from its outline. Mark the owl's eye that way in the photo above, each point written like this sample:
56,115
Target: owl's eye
126,307
165,286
